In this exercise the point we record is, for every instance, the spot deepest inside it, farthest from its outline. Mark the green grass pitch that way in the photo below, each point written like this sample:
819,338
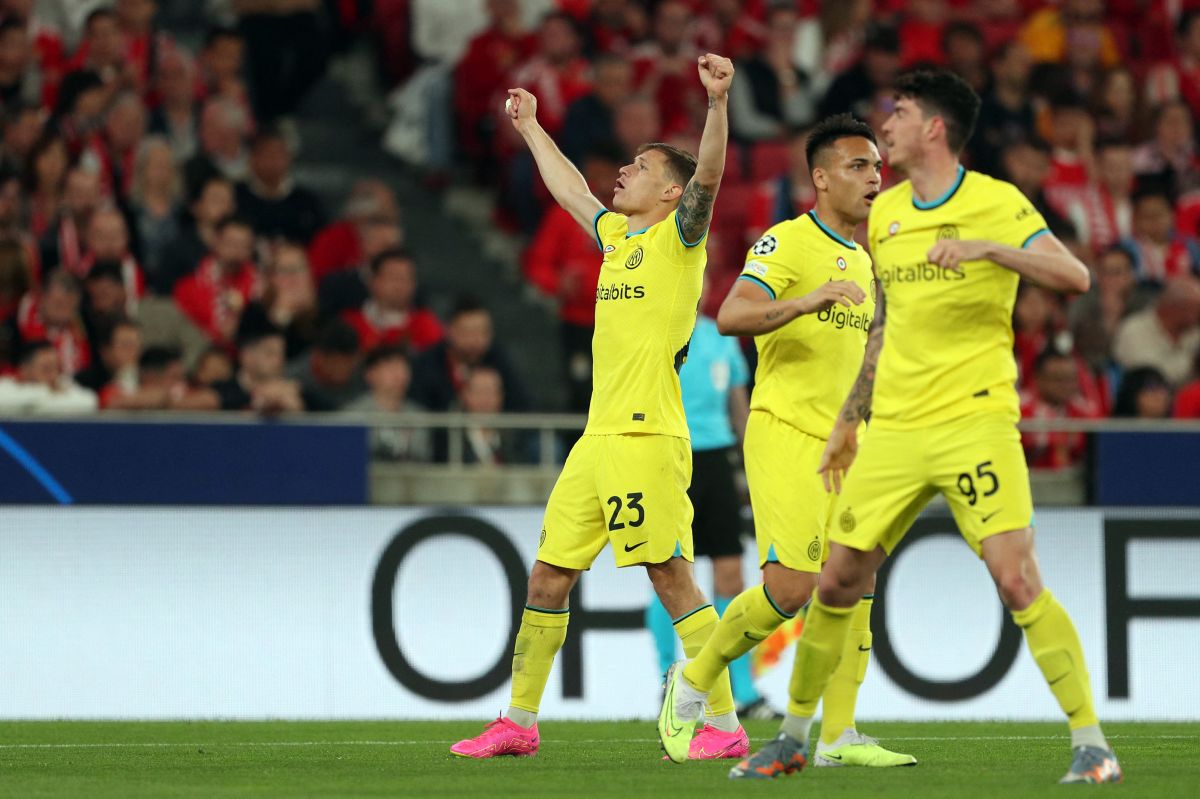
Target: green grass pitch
604,759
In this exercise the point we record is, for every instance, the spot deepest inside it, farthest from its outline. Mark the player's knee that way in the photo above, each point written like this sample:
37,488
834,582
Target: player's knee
789,589
549,587
841,587
1017,588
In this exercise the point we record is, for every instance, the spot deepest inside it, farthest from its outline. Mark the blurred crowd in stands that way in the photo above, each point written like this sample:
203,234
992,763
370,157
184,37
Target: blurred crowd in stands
157,251
1089,107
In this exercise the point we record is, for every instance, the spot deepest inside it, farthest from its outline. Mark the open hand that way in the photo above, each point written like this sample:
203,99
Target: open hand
839,454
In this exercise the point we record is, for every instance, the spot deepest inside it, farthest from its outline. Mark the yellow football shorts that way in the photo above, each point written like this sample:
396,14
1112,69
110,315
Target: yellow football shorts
976,462
792,510
628,489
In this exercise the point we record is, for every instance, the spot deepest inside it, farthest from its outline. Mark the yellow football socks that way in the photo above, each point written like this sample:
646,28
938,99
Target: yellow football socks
818,651
838,701
1055,647
541,636
750,618
694,629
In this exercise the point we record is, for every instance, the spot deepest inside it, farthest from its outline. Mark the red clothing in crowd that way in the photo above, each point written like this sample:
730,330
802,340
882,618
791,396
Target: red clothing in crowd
334,248
482,76
1068,179
214,300
563,255
1180,77
745,37
70,247
920,43
417,329
74,353
1026,349
555,88
677,94
1187,219
141,53
1057,450
1100,220
1157,263
1187,401
47,47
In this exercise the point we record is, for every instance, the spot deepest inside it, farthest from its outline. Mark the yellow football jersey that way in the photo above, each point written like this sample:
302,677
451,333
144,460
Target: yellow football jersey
806,368
646,301
948,340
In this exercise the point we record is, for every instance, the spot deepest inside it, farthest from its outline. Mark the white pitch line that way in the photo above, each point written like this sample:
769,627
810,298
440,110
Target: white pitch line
272,744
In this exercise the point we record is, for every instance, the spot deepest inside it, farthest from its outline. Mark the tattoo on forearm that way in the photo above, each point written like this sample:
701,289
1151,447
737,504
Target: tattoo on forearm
695,210
858,404
712,102
773,315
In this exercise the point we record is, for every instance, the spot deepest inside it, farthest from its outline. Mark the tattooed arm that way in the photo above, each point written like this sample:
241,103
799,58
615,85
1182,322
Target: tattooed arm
696,203
750,311
843,439
858,404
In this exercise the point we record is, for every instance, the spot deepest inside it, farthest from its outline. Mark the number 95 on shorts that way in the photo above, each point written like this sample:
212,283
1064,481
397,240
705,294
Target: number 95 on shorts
975,462
627,489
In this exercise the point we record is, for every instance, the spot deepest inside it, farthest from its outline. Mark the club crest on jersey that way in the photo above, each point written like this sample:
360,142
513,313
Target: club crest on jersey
634,260
765,246
757,267
609,248
893,228
841,263
947,233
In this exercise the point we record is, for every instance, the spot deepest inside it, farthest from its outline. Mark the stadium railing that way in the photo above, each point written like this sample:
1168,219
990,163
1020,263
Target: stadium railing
1136,462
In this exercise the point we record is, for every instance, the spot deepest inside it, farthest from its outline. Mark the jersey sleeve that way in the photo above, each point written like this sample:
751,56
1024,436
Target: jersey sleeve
608,225
770,262
1018,223
668,238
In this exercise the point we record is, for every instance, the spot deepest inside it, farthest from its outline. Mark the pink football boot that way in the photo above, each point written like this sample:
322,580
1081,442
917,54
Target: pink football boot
712,744
502,737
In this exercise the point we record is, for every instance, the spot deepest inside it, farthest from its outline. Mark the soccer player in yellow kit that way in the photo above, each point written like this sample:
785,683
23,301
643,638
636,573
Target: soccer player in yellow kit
807,295
950,247
625,481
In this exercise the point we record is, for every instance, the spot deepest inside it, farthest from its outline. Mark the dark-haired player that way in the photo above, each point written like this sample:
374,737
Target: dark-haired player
626,479
950,247
807,296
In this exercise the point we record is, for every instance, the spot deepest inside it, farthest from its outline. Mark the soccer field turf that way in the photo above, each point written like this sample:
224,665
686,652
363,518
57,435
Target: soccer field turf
609,759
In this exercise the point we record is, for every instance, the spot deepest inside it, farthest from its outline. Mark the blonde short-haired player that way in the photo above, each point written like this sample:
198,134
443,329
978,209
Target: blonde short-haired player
625,481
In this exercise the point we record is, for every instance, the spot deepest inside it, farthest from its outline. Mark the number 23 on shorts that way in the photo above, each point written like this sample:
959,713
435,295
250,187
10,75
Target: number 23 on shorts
627,510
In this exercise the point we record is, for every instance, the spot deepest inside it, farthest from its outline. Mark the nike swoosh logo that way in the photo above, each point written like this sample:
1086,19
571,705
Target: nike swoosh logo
635,546
985,519
832,757
754,637
670,702
862,648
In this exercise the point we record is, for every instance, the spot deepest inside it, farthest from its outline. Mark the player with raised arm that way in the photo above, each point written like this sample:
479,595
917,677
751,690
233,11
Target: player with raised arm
807,295
625,481
938,382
